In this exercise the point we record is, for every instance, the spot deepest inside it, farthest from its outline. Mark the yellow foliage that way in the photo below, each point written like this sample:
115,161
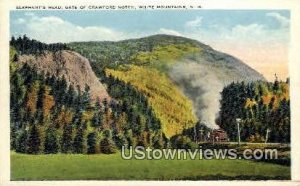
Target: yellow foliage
32,98
285,91
48,102
107,119
267,98
168,53
169,104
121,122
64,118
87,115
249,103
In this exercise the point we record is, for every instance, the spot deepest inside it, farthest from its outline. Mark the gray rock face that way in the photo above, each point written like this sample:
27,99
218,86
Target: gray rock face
72,66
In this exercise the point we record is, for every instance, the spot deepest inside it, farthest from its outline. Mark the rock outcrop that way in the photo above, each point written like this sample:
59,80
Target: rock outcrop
72,66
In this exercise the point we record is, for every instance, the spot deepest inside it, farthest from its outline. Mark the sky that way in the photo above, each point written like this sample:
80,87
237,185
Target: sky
260,38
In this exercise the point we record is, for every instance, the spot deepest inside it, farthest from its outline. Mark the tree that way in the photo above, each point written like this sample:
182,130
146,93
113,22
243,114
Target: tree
96,120
51,143
107,133
84,99
107,146
16,58
32,98
121,122
158,141
48,103
91,143
63,118
21,142
66,141
71,96
120,140
13,136
78,141
34,141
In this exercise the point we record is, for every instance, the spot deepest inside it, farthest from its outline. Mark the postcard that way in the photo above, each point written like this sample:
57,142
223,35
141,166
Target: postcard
121,92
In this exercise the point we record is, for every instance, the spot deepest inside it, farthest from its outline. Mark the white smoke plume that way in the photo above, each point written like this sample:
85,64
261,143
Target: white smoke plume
201,84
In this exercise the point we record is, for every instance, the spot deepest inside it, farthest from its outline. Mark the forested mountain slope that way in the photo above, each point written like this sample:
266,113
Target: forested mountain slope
152,92
199,71
48,115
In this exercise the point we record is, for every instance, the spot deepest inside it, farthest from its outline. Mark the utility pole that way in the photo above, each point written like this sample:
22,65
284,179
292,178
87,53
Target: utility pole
201,134
238,120
195,134
267,135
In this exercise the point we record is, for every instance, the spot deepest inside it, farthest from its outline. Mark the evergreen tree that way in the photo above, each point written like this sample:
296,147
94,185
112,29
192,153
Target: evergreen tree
34,141
66,141
107,146
21,142
78,141
51,143
91,143
96,120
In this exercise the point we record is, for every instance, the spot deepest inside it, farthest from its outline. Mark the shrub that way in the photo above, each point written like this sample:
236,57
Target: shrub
107,146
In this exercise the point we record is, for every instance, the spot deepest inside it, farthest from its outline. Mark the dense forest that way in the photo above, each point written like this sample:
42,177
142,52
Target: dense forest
135,61
261,106
108,54
48,115
25,45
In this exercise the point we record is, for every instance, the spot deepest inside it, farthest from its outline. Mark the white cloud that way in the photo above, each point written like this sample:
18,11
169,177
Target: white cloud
284,22
194,23
254,34
257,44
54,29
248,30
169,32
244,35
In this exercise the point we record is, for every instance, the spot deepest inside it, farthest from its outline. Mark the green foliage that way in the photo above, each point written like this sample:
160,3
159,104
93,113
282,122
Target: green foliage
119,140
78,141
133,62
21,142
189,136
112,54
170,106
162,57
66,141
30,46
182,142
107,134
261,106
107,146
91,143
51,142
34,141
71,110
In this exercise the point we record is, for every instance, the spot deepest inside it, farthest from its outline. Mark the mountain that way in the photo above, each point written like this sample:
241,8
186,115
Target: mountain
72,66
160,91
160,65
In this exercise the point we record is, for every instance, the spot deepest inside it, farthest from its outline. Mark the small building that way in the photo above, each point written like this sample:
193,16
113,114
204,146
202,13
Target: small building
219,135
